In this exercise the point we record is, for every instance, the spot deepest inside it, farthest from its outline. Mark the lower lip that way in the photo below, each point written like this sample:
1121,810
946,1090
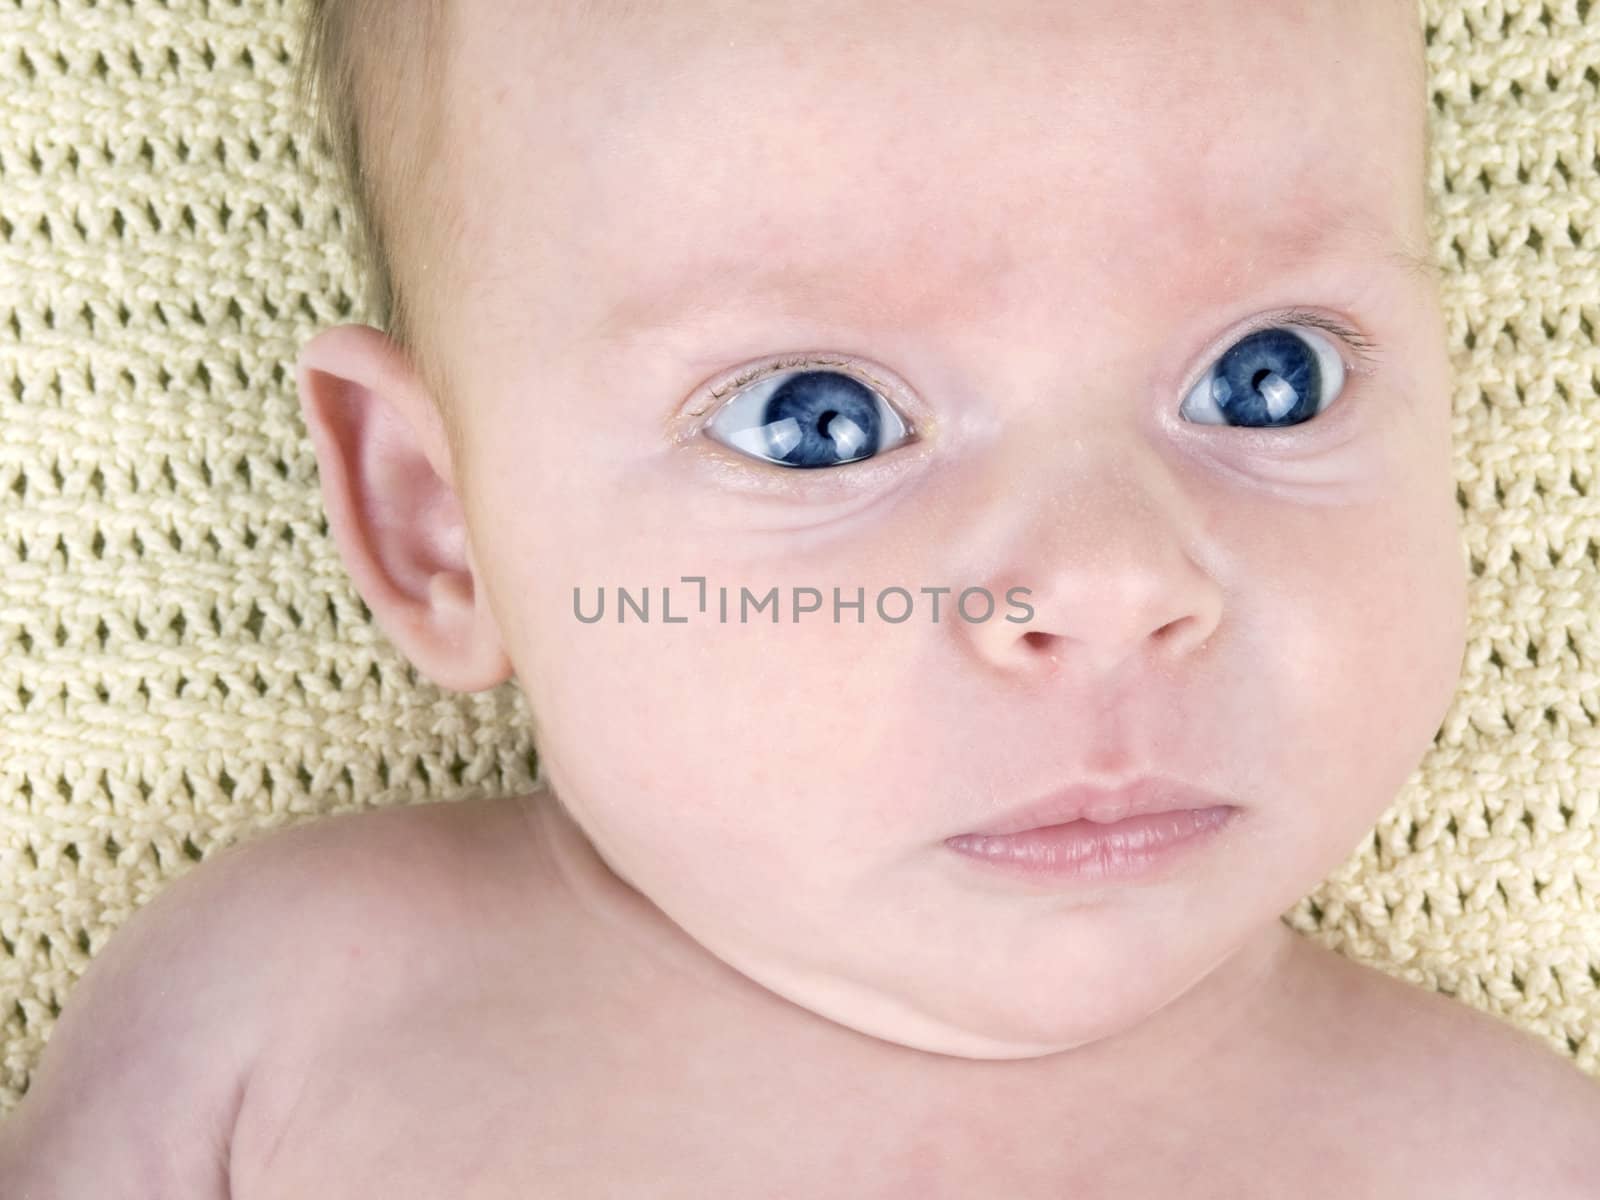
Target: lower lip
1084,850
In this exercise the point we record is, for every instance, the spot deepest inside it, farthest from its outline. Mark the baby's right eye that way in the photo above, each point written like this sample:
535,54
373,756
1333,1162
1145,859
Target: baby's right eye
809,418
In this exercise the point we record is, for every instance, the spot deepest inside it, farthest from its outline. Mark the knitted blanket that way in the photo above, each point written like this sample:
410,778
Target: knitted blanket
184,662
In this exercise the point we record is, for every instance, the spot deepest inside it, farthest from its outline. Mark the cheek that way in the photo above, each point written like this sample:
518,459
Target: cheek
672,728
1365,656
728,760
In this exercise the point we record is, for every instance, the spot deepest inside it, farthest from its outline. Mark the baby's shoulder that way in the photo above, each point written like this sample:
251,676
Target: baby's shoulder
1530,1115
349,899
194,998
1457,1095
421,857
378,917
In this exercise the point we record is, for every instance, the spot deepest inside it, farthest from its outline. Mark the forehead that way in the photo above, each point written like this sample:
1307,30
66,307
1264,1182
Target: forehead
630,164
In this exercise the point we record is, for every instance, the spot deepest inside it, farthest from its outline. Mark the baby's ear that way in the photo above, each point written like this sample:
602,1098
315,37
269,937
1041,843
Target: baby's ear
388,487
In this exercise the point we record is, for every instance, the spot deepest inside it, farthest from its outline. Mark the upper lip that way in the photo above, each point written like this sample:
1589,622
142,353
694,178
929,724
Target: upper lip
1103,805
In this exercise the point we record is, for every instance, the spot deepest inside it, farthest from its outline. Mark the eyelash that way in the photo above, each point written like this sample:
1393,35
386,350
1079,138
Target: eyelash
1364,349
767,368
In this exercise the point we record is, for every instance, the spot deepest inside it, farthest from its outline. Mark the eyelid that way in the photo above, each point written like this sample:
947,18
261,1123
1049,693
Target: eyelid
724,388
1362,348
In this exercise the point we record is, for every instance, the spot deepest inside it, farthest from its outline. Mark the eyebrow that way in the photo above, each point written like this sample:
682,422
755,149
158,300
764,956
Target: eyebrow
1395,248
729,283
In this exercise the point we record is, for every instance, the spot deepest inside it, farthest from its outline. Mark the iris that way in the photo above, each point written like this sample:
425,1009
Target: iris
808,419
1270,379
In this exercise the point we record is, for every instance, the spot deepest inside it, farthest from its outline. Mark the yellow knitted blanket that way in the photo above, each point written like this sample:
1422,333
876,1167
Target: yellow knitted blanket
184,662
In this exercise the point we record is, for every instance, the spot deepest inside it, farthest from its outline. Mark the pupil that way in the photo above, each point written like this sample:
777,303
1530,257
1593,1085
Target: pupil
1255,380
825,421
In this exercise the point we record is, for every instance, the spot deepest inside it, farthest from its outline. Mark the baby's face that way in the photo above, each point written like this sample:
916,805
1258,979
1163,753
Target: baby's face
1017,243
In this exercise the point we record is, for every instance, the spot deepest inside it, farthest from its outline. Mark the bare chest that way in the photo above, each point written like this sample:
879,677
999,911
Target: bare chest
470,1103
484,1112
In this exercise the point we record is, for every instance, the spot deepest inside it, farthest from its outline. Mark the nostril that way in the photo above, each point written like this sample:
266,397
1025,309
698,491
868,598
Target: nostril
1037,640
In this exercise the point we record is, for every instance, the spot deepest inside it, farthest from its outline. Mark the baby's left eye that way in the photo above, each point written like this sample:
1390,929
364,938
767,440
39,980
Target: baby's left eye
1275,377
808,419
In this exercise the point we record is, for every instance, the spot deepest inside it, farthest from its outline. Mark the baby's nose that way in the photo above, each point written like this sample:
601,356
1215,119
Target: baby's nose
1096,557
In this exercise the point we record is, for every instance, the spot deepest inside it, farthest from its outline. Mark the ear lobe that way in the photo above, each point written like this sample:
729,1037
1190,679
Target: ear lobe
384,467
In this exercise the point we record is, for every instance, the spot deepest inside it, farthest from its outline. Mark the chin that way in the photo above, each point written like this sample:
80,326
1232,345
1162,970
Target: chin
978,1019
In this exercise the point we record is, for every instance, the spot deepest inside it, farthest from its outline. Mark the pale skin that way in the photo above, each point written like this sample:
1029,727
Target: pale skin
726,952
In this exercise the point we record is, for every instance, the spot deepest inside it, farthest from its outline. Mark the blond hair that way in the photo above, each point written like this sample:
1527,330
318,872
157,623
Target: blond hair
370,82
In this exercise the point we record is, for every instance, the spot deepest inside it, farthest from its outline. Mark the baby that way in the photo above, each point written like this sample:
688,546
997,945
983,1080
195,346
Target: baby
966,490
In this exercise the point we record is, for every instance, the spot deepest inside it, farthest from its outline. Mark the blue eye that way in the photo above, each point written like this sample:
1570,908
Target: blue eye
1273,378
808,419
